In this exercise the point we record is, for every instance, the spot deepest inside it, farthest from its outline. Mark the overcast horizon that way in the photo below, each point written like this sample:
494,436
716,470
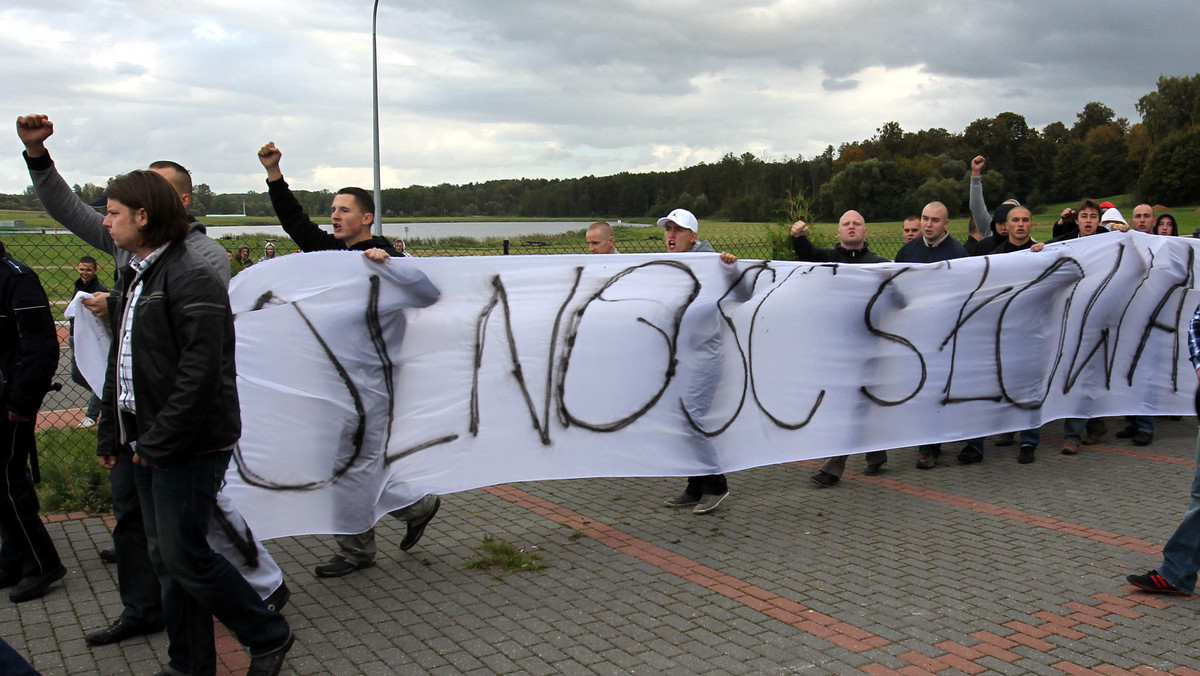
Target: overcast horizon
473,91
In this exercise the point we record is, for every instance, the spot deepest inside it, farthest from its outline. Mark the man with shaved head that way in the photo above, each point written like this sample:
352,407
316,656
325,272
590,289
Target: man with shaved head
935,243
934,246
911,228
1143,218
600,238
851,248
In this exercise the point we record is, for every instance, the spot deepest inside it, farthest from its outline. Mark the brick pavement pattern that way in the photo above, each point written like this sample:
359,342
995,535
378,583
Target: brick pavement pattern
994,568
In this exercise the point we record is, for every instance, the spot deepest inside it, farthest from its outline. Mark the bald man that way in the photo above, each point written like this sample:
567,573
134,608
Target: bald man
1143,218
600,238
934,246
851,248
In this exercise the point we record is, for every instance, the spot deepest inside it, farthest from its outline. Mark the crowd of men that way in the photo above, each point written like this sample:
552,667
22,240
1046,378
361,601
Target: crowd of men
169,415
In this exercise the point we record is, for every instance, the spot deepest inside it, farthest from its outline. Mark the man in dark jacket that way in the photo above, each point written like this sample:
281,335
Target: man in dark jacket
936,245
170,407
851,248
29,562
141,597
352,214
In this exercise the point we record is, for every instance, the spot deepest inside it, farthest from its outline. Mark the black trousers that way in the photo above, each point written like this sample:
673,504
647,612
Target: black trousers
26,545
709,484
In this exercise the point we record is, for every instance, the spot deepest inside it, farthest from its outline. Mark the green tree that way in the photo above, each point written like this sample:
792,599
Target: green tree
1169,175
1173,107
1094,114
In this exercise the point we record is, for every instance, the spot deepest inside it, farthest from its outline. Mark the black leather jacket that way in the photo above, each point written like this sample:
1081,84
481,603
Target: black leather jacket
184,376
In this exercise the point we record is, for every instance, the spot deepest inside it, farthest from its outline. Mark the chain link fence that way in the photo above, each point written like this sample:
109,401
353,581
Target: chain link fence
67,440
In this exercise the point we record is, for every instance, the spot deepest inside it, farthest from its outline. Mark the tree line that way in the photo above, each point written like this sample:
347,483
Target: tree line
886,177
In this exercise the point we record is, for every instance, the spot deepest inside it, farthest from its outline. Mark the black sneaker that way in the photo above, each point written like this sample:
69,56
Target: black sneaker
108,555
1153,582
873,468
415,529
1142,439
823,479
969,455
1025,456
1127,433
35,586
339,566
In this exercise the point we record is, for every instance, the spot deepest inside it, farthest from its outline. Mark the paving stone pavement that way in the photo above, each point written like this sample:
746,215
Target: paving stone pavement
994,568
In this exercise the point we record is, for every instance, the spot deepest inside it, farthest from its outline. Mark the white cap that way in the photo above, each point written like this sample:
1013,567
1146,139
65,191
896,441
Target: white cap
1113,216
681,217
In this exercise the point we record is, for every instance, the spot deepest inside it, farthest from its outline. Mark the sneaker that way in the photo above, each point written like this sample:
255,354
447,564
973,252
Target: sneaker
1094,437
35,586
1127,433
708,502
684,499
969,455
1071,448
824,479
1142,439
1153,582
1005,439
416,527
87,422
1025,455
925,460
873,468
339,566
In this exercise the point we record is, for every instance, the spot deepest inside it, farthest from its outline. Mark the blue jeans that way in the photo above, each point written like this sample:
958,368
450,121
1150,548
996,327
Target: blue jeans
1181,555
1031,437
1141,423
198,583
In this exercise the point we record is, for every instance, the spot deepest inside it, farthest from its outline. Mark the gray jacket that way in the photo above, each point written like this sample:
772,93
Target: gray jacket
64,206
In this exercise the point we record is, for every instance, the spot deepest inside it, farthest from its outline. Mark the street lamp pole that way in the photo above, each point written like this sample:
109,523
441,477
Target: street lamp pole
377,226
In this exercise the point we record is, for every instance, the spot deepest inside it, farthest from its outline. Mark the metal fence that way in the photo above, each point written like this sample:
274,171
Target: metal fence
54,255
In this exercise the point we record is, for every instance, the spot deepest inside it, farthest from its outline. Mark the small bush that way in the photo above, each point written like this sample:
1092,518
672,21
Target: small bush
72,480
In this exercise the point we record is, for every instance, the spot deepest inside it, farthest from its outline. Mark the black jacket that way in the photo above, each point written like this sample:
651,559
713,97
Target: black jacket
805,251
28,340
306,234
184,375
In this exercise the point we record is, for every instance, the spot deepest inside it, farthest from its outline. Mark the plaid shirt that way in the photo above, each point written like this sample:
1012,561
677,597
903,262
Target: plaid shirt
125,400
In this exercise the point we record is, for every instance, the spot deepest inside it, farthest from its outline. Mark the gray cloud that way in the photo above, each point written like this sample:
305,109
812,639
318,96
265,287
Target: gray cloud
472,90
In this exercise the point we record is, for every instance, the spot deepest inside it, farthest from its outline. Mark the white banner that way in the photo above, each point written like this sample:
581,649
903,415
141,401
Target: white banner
365,385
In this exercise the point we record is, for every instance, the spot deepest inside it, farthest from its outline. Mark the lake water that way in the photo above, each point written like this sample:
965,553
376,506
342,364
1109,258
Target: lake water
507,229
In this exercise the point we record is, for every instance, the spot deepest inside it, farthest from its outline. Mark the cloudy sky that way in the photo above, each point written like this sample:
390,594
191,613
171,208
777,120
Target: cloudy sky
472,90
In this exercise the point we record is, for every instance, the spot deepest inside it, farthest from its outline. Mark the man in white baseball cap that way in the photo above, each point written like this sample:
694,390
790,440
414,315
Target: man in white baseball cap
703,493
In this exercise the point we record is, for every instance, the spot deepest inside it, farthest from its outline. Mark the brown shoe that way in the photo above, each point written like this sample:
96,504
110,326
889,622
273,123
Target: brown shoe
1070,448
1095,435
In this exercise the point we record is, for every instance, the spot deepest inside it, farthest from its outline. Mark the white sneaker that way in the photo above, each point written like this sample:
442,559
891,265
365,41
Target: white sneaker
87,422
